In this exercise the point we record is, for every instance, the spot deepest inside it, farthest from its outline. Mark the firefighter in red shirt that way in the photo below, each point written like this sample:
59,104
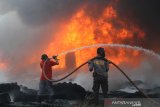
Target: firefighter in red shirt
45,86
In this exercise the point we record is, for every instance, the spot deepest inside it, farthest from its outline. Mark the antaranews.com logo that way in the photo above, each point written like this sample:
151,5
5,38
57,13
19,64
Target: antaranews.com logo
130,102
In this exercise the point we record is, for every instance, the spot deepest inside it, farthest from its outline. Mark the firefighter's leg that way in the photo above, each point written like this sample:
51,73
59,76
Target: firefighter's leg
96,86
104,86
41,91
50,90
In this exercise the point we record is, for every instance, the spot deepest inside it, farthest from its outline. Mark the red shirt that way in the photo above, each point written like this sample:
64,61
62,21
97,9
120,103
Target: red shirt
47,69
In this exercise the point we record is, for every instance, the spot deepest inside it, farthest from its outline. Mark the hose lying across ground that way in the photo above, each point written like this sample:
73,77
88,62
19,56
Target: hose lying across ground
142,93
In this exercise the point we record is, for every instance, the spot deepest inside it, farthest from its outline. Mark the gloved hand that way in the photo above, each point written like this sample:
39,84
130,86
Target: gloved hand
55,57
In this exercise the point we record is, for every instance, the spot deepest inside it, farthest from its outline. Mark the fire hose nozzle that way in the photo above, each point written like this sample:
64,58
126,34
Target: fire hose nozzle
55,57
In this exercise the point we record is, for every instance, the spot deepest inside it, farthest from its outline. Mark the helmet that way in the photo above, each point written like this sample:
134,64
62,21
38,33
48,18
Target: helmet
101,52
44,57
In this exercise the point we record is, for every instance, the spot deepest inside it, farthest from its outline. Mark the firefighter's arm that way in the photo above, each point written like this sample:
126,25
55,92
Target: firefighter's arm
107,64
54,62
90,66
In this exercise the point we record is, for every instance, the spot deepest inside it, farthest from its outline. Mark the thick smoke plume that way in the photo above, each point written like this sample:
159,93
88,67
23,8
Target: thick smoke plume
28,26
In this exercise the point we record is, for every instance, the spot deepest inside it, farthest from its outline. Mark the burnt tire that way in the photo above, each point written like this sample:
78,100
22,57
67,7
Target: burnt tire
69,91
4,98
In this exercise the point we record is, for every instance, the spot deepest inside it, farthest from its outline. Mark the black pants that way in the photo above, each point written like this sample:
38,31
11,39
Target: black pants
100,81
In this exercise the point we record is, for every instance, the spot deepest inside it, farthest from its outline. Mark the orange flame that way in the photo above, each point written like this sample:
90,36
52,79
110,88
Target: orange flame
83,30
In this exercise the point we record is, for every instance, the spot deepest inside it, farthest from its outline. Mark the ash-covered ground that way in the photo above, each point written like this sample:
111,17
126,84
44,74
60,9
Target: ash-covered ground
67,95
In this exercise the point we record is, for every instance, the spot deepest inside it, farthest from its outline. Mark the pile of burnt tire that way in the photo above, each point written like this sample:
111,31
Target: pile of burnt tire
69,91
12,92
6,92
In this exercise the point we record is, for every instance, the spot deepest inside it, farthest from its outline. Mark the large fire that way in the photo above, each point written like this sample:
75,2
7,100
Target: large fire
83,29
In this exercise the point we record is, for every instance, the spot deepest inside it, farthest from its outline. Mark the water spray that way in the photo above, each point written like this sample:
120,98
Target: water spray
146,51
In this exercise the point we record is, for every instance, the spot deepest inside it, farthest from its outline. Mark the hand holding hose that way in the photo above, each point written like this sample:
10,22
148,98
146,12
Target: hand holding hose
55,58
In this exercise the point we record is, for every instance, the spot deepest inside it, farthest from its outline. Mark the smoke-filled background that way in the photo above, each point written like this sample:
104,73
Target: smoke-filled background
29,28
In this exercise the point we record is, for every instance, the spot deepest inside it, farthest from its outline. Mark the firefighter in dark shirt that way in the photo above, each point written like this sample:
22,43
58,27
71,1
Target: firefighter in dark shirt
100,66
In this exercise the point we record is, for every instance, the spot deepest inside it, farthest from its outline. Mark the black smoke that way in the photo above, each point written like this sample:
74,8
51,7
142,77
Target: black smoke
37,12
145,14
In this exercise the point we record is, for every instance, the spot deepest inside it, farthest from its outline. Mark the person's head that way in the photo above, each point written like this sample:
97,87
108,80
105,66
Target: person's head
101,52
44,57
